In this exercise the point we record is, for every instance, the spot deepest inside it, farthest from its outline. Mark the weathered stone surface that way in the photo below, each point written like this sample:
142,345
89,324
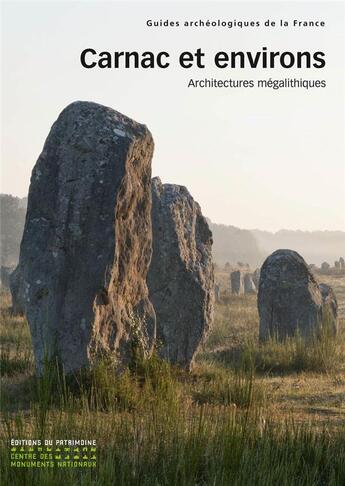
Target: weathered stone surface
249,285
86,246
17,292
329,307
237,282
180,279
289,297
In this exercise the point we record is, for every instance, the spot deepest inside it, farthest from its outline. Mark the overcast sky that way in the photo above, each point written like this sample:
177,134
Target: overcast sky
252,158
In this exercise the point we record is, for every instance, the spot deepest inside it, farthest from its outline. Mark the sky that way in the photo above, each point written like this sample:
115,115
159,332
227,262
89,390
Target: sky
252,158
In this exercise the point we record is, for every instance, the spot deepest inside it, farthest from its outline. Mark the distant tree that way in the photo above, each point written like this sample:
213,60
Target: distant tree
231,244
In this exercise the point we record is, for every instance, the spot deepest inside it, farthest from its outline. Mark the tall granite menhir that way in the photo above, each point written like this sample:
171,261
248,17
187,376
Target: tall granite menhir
237,282
290,299
87,243
181,278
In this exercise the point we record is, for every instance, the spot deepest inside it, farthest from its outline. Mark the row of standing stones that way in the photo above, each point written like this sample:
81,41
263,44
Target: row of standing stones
244,283
290,299
111,259
339,265
240,283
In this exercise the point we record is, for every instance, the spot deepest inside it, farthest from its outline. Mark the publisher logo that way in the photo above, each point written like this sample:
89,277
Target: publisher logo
51,453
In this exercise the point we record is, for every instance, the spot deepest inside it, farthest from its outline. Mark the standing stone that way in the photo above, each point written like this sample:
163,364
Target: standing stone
329,308
342,263
325,267
237,282
180,279
249,285
289,297
337,265
256,277
5,275
86,246
16,288
217,294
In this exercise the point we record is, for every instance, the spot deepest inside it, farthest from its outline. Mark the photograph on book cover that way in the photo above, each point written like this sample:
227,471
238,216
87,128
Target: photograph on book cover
172,243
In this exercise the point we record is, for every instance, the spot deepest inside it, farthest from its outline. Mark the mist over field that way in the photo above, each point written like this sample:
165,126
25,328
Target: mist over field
230,243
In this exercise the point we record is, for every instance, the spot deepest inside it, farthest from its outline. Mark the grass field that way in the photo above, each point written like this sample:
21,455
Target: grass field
249,413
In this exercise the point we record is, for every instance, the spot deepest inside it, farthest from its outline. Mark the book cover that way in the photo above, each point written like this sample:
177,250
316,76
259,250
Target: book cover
172,243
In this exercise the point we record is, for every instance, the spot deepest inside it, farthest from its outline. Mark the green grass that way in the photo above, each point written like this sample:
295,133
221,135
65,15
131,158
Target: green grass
322,354
234,340
223,424
150,432
16,351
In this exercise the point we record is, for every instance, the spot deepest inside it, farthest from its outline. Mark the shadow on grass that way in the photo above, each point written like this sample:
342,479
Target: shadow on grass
322,353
